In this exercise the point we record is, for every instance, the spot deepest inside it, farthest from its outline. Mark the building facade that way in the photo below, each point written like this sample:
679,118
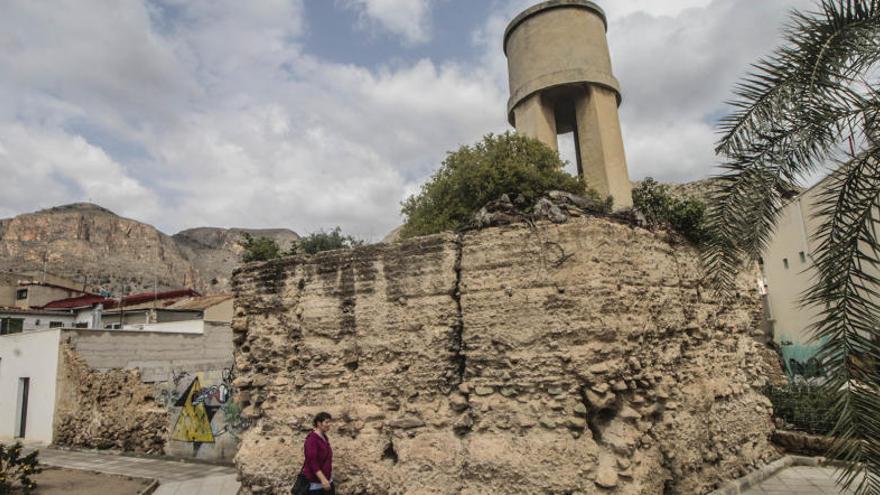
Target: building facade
14,320
788,269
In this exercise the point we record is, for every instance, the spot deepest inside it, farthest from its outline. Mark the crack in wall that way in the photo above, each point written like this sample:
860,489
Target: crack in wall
459,357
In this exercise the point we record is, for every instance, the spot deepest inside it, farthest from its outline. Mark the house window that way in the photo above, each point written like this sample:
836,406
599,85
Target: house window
9,326
21,294
81,324
56,324
803,257
785,263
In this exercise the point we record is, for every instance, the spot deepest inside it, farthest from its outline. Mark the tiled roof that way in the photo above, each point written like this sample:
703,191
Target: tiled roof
201,303
131,300
78,302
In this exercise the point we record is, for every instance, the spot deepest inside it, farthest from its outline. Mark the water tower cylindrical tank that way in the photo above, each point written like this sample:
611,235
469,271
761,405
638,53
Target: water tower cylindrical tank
561,81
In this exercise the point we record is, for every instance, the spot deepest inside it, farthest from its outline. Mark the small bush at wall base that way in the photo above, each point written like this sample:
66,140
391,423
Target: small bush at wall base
16,469
804,407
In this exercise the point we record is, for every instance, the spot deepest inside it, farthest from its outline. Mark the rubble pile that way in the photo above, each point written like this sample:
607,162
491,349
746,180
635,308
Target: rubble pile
109,409
581,357
555,206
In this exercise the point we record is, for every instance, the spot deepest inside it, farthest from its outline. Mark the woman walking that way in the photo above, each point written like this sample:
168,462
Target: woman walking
318,466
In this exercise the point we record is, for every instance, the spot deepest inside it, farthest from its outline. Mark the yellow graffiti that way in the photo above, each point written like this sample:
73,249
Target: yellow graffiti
193,423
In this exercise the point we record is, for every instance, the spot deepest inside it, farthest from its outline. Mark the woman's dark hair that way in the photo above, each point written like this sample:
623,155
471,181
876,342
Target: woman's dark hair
321,417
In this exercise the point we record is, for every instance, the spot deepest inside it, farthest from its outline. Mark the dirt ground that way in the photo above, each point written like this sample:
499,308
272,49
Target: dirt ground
57,481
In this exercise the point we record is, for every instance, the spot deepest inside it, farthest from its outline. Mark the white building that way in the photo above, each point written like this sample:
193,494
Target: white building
788,267
35,378
28,376
15,320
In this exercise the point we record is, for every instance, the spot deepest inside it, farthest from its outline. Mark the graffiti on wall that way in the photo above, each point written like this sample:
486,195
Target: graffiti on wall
204,412
194,421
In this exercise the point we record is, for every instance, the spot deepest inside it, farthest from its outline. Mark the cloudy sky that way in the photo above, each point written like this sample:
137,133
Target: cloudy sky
313,113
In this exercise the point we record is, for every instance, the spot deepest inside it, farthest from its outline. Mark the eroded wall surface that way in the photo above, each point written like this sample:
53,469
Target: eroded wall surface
145,392
579,358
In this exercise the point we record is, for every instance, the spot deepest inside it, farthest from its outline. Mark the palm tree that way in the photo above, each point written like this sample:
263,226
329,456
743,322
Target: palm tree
816,101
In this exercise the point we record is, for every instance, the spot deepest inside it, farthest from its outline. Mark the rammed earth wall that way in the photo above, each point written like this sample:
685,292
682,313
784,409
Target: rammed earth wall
578,358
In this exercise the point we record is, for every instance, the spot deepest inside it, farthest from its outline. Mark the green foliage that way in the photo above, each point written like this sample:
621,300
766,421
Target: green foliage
475,175
805,406
15,467
815,100
317,242
258,248
683,215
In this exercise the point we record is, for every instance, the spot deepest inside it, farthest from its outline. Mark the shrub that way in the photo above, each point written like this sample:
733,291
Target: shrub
472,176
258,248
805,406
327,241
660,208
15,467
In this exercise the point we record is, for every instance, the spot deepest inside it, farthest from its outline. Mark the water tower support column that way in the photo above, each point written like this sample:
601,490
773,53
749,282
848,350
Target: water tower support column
600,145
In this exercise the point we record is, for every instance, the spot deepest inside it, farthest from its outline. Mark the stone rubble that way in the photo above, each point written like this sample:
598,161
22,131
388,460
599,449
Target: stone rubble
110,409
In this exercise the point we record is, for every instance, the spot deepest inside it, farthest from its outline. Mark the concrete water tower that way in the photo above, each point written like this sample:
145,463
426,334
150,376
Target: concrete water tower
561,81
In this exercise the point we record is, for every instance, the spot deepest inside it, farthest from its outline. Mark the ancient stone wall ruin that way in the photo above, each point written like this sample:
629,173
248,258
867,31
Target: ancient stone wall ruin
577,358
150,393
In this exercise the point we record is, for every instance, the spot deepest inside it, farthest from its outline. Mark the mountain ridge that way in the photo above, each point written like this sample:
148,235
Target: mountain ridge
91,244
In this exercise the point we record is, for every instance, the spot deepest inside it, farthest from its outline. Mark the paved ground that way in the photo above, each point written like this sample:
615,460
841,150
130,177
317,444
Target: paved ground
61,481
800,480
176,478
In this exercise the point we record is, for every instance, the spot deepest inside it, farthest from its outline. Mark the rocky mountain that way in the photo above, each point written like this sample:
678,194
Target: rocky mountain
214,252
93,245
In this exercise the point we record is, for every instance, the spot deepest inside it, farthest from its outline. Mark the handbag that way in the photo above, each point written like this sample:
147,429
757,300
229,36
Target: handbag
301,486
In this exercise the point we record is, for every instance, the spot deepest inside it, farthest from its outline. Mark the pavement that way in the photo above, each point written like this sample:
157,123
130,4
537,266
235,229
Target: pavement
800,480
175,477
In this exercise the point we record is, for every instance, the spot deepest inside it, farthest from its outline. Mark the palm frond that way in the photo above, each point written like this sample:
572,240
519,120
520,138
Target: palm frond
805,105
846,295
821,50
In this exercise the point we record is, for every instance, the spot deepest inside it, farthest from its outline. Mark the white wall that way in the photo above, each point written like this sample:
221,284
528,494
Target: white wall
186,326
33,355
39,322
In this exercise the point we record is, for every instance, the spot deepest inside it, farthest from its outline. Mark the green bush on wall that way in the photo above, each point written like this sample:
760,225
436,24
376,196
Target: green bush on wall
474,175
660,208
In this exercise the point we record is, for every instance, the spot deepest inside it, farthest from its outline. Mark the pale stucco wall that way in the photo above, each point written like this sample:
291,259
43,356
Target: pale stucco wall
220,312
7,294
40,295
790,321
33,355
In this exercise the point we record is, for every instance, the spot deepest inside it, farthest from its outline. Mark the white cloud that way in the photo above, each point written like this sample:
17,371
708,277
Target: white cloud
620,8
676,70
46,167
187,113
409,19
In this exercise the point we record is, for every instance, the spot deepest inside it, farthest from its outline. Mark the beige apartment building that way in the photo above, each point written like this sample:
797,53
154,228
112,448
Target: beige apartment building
31,289
787,266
